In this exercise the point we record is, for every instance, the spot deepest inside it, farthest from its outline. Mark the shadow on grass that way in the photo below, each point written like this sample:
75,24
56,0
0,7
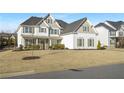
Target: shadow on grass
31,58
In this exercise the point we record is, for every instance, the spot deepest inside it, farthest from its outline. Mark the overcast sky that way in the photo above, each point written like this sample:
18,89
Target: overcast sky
9,22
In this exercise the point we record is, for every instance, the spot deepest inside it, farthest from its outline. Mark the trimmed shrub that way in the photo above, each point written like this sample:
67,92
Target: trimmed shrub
105,46
66,48
32,47
36,47
102,48
99,45
28,47
21,47
57,46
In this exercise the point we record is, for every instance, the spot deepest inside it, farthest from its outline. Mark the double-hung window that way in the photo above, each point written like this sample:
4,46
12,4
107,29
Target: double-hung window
42,30
120,33
54,31
80,42
90,42
86,28
28,29
112,33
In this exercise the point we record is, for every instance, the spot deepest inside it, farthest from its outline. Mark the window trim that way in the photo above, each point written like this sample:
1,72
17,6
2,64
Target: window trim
112,33
54,31
122,34
81,42
42,30
90,42
27,29
86,28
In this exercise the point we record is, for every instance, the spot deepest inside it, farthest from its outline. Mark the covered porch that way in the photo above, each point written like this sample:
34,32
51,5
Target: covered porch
43,42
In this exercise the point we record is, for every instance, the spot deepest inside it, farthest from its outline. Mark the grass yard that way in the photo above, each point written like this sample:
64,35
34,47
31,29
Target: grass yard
56,60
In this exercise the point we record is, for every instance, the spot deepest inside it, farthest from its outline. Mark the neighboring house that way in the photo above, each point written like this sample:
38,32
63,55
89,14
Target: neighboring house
110,33
48,31
5,38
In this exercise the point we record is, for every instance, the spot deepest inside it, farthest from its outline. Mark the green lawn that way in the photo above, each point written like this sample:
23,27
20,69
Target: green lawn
55,60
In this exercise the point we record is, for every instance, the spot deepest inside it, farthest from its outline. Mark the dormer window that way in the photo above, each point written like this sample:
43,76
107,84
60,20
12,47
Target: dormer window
85,28
49,21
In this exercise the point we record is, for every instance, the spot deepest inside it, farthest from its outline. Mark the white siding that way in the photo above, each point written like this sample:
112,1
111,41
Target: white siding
85,36
68,41
20,39
103,35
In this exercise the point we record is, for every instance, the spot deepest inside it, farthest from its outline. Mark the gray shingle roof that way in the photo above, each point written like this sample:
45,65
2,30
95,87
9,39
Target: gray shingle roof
62,23
106,26
32,21
74,26
66,27
117,24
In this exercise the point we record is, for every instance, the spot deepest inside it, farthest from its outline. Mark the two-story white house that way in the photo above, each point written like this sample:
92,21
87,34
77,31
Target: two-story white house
110,33
40,31
47,31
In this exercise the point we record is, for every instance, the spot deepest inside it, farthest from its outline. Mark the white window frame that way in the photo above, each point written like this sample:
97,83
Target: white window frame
49,21
42,30
29,29
121,33
82,42
54,31
112,33
86,28
90,42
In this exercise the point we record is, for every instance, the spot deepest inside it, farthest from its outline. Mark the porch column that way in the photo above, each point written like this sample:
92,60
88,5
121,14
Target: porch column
23,42
45,44
50,42
37,41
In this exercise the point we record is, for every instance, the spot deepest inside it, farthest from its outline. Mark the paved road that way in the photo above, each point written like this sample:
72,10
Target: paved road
101,72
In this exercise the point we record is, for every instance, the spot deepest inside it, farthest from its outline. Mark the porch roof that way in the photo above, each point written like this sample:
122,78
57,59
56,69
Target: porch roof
42,37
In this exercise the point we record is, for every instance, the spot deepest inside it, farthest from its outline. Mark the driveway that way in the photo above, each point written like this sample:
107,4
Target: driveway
100,72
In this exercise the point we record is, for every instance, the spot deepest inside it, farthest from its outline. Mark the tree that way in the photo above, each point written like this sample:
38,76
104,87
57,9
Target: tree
99,45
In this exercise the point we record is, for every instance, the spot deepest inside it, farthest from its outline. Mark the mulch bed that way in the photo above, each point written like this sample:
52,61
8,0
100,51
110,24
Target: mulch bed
75,69
31,58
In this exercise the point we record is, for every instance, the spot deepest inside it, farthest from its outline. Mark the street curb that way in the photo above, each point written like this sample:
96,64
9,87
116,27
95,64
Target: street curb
5,75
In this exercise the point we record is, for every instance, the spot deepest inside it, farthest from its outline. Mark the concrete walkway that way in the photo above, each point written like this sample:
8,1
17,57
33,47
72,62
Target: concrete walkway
101,72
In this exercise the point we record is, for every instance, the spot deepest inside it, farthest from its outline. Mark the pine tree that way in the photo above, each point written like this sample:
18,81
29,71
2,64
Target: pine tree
99,45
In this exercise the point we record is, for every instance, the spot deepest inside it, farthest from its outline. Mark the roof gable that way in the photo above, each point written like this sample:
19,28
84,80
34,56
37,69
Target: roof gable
62,23
74,26
106,26
90,28
117,24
